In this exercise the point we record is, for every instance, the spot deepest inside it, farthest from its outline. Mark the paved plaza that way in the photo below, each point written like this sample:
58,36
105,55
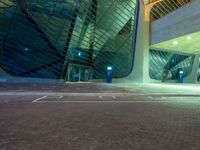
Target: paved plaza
136,121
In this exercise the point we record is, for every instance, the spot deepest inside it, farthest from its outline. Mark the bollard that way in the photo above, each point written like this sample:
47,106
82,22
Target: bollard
180,74
109,74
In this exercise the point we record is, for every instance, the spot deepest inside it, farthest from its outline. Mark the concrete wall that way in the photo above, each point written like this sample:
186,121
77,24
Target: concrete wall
183,21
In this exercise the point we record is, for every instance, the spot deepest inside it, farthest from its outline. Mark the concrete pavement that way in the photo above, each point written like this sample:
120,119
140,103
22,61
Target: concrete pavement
96,123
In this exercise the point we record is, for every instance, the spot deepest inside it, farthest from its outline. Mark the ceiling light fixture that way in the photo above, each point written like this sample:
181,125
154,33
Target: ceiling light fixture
175,43
189,37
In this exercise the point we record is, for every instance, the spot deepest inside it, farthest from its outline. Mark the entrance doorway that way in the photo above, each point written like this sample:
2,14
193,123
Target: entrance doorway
77,73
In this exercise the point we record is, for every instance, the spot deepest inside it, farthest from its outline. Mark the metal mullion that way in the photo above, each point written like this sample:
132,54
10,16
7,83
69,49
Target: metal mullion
35,69
153,15
163,54
35,49
46,26
95,43
185,63
23,56
6,68
5,3
155,59
188,1
61,31
167,10
8,29
46,41
153,62
128,37
19,63
109,9
177,3
168,1
184,1
159,58
10,65
100,45
158,7
156,10
124,12
122,45
34,46
168,6
106,57
181,2
48,20
53,64
173,3
9,61
104,33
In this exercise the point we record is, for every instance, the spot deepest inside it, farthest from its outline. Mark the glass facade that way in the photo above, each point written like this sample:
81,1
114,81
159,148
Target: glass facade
53,39
164,65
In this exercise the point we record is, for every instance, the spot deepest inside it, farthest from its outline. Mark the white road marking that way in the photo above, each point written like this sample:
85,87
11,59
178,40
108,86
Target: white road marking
150,97
100,97
36,100
164,97
113,97
107,101
60,97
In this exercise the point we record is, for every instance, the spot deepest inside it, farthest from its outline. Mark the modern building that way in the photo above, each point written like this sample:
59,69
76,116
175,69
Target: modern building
76,40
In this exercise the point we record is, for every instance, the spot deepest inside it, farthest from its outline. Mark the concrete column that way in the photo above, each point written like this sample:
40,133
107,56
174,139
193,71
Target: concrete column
140,72
192,77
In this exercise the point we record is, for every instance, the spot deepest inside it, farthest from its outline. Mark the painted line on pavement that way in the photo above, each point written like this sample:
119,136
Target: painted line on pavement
109,101
113,97
36,100
60,97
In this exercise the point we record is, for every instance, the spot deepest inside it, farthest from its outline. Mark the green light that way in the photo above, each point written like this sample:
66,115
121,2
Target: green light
175,43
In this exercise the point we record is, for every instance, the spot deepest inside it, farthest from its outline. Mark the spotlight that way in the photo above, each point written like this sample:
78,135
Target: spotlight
175,43
109,68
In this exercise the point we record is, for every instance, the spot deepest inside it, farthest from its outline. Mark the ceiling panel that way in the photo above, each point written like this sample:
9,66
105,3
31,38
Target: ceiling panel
184,44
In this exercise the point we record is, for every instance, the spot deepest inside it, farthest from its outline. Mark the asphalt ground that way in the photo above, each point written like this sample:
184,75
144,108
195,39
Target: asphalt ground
135,122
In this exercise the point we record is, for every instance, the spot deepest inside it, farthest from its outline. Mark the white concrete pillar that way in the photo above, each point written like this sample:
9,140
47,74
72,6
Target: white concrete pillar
140,72
192,77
